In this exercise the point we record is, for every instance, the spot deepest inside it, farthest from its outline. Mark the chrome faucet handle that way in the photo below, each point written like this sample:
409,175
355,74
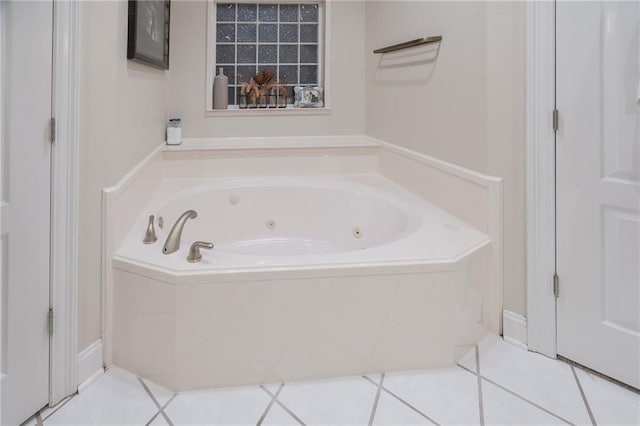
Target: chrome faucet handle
194,252
150,236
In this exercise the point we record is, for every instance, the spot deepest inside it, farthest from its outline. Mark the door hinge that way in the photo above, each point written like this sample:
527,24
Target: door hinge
556,285
52,130
50,321
556,121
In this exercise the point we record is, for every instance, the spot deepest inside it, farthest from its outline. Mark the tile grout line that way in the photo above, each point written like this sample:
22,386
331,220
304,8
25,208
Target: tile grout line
155,401
420,413
59,406
584,396
376,400
517,396
284,407
158,412
479,378
291,413
273,399
152,418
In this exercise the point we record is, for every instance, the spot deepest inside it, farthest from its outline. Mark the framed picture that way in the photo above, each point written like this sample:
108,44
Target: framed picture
148,36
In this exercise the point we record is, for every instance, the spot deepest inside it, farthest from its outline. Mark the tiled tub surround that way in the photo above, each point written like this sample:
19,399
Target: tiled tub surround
419,284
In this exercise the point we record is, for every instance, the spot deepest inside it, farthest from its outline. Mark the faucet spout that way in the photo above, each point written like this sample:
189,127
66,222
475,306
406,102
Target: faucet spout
172,244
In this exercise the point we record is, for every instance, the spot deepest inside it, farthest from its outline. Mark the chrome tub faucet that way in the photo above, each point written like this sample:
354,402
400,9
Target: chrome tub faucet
172,244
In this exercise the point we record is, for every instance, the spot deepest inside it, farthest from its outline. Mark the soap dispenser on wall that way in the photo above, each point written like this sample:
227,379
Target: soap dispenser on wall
220,90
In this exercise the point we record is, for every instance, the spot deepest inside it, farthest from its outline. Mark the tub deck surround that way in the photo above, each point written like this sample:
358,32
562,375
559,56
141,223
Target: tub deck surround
329,260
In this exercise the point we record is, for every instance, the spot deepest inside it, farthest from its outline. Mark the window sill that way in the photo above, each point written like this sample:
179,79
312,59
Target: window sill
262,112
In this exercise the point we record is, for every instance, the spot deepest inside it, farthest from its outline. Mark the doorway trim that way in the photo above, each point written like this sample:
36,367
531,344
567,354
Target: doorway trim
541,189
64,201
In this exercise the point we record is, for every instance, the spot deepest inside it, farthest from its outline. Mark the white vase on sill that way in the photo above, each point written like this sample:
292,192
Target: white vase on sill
220,90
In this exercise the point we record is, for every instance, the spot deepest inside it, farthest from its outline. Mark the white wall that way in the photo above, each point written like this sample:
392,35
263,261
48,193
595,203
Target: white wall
122,114
188,79
465,105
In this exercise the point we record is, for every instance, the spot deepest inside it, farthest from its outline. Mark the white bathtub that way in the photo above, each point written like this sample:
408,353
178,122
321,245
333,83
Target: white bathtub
299,222
312,275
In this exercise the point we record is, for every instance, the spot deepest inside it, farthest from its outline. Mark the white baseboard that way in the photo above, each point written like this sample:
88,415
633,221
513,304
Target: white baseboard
90,364
514,329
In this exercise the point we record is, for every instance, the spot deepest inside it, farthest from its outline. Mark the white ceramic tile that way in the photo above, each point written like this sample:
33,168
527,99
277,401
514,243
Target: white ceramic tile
374,377
116,398
201,368
390,411
410,325
503,408
272,387
542,380
225,406
610,404
263,332
336,402
144,331
447,395
278,416
159,421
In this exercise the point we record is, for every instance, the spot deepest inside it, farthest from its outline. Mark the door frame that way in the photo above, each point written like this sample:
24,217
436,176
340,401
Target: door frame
541,179
63,347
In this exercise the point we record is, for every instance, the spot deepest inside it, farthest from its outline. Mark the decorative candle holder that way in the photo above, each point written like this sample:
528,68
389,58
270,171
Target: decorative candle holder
242,101
273,98
308,97
283,96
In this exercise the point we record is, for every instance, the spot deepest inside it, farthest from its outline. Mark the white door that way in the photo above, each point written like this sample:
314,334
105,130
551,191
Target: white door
598,186
26,54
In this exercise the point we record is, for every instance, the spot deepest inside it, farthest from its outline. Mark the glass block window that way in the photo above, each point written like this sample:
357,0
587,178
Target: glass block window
254,37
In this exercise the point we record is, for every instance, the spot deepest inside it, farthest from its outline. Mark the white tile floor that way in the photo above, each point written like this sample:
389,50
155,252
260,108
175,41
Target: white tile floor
496,383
